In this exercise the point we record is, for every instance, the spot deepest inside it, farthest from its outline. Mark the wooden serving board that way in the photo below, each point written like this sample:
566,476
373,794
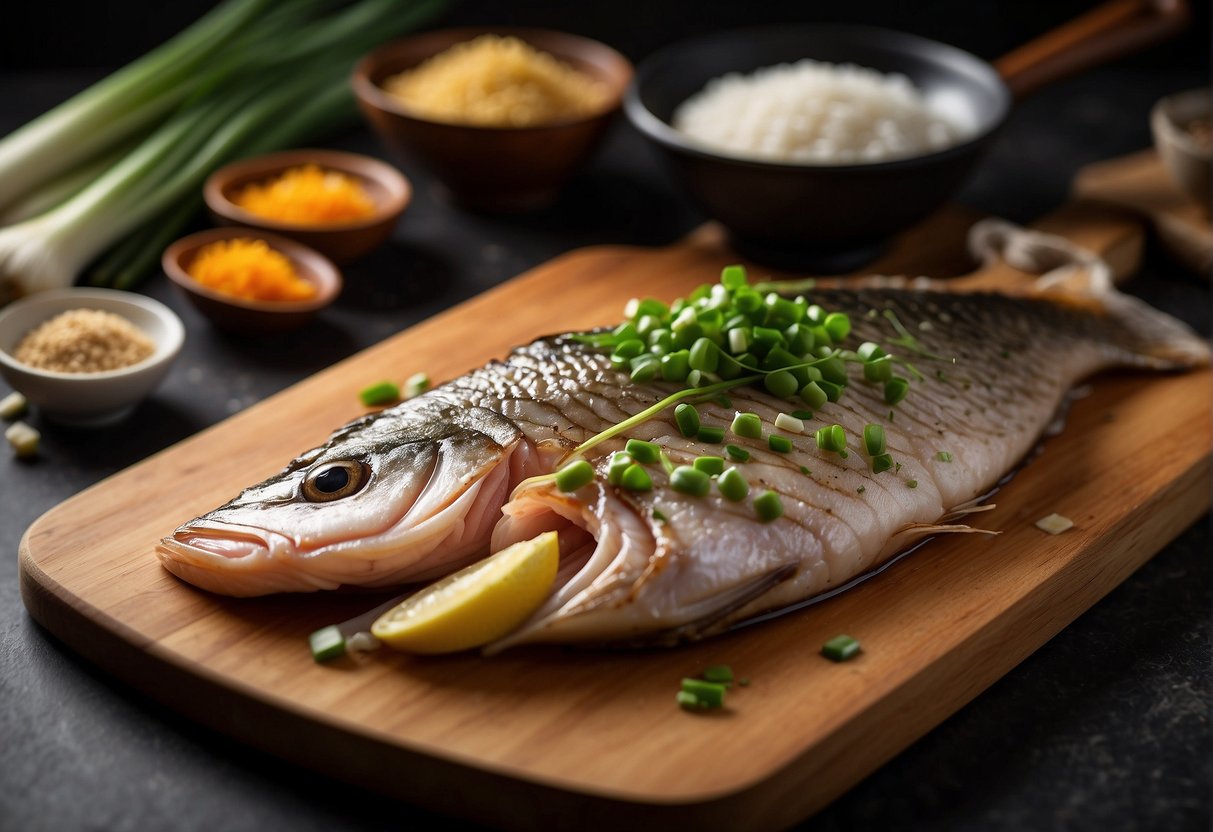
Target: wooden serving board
555,738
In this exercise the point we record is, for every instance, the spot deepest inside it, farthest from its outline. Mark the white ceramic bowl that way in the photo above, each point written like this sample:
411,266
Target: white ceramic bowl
1189,161
88,399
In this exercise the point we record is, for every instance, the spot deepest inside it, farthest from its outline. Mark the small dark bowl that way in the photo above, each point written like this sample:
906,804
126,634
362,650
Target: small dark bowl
341,242
495,169
249,316
798,214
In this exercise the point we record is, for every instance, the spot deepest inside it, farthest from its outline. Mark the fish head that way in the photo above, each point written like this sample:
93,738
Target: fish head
403,495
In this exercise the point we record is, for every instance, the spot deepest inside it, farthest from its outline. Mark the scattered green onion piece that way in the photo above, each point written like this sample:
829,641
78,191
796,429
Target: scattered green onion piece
687,418
804,469
659,516
739,454
688,480
833,391
781,383
652,307
383,392
944,456
832,438
661,341
615,468
789,423
895,389
665,463
777,358
833,370
711,435
689,701
733,486
710,465
733,277
675,365
881,463
643,452
870,351
635,478
814,395
574,476
748,425
747,302
704,356
628,349
723,400
860,489
415,385
800,338
911,483
709,694
838,326
816,314
646,371
802,415
873,440
327,643
646,324
739,340
12,406
779,443
626,331
23,439
878,370
768,506
719,673
840,648
767,337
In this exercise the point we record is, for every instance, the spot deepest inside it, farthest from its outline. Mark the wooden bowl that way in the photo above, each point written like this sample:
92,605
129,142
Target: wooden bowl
340,242
495,169
1189,161
249,316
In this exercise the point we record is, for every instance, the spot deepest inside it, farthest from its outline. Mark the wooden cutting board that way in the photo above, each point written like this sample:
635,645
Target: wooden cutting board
548,737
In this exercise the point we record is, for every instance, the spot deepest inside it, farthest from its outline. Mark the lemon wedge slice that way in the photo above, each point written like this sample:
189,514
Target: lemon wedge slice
475,605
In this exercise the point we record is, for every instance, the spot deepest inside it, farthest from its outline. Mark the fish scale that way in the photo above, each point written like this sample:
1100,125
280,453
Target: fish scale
988,375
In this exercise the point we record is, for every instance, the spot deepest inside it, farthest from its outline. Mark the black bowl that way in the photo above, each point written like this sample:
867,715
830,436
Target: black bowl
829,217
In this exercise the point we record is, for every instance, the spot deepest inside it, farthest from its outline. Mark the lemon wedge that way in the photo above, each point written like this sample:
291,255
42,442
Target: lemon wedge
475,605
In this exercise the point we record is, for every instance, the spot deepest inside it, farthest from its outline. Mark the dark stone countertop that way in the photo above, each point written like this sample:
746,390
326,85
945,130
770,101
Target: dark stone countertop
1105,728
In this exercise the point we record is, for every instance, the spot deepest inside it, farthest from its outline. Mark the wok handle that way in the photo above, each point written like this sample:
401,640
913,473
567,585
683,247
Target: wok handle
1107,32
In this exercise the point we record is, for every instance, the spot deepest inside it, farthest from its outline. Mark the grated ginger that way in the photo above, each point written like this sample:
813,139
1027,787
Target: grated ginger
249,269
493,81
309,195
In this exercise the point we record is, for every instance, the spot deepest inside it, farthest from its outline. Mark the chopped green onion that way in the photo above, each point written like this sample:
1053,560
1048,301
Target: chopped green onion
944,456
659,516
688,480
723,400
733,277
416,384
870,351
840,648
895,389
838,326
327,643
626,331
704,356
832,438
710,465
833,391
860,489
690,702
666,465
615,468
711,435
574,476
912,483
804,469
768,506
874,440
748,425
881,463
781,383
675,365
737,453
833,370
23,439
789,423
12,406
383,392
687,418
635,478
779,443
643,452
878,370
803,415
739,340
645,368
813,395
719,673
733,486
709,694
628,349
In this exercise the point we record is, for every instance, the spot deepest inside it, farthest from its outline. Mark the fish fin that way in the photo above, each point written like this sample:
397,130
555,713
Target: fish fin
1153,338
965,509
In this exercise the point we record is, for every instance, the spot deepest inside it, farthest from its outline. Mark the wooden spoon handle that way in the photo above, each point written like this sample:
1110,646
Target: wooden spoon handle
1107,32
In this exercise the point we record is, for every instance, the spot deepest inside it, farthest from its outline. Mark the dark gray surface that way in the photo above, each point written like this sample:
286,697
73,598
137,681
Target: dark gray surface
1106,727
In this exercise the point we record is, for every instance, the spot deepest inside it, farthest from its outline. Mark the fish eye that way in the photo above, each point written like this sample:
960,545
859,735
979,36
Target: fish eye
335,480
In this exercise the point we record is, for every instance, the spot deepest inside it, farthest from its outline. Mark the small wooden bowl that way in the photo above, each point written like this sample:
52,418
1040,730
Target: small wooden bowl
249,316
495,169
340,242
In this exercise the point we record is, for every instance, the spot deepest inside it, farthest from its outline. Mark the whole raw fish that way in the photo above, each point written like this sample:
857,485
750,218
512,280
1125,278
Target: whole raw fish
420,489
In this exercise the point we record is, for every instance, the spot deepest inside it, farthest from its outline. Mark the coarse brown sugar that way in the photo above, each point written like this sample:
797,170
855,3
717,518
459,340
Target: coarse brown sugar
84,341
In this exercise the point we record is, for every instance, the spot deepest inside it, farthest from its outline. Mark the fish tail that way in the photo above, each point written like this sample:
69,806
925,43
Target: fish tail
1154,338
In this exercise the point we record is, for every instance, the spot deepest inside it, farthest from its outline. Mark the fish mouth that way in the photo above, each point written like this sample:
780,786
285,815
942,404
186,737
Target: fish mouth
229,559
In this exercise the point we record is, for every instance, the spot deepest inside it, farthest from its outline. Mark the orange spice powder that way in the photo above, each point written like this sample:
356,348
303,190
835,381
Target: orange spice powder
249,269
309,195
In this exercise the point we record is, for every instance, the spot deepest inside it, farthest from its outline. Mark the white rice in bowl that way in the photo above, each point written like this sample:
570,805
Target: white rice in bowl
814,112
